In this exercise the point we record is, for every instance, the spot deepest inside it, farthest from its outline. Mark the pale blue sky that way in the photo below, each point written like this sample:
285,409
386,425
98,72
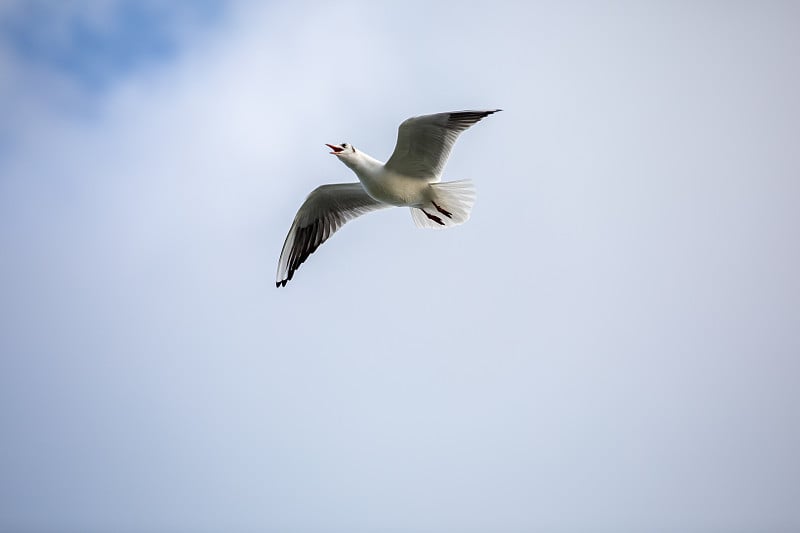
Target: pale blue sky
609,344
96,43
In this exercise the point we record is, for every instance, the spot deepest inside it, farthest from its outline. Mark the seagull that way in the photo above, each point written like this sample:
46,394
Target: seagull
410,178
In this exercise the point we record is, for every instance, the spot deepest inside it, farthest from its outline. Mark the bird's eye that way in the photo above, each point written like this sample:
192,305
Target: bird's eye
344,145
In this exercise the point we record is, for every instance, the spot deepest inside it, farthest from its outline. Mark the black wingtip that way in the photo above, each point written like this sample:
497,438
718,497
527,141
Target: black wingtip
465,119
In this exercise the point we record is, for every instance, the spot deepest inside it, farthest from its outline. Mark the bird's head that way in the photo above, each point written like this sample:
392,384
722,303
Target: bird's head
346,152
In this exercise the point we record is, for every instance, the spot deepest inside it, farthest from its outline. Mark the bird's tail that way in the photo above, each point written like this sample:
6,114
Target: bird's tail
450,206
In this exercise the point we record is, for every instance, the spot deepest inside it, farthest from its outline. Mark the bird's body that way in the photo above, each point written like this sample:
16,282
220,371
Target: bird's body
388,186
410,178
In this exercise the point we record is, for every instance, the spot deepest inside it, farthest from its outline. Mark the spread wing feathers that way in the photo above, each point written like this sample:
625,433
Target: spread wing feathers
325,210
424,143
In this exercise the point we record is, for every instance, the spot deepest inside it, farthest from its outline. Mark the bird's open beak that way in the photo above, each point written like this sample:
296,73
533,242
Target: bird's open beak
336,149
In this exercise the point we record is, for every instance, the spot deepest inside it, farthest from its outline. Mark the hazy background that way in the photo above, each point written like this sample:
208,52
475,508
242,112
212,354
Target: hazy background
612,343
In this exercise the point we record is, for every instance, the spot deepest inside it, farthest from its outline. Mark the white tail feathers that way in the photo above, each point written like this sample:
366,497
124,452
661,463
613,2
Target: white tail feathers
450,206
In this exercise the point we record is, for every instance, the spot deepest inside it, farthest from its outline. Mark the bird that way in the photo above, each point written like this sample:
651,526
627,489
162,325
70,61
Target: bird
411,177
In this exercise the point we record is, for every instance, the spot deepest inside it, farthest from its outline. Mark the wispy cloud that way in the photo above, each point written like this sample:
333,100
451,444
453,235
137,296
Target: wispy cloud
97,42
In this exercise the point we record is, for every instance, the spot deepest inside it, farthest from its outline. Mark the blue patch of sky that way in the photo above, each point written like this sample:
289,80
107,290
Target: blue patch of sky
133,35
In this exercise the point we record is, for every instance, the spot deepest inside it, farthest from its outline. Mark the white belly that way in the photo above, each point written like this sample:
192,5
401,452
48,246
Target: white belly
395,189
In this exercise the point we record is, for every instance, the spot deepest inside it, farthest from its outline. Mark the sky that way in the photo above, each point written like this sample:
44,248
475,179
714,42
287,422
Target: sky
610,344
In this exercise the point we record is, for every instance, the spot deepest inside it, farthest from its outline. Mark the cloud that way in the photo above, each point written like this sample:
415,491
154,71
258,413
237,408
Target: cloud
93,42
605,344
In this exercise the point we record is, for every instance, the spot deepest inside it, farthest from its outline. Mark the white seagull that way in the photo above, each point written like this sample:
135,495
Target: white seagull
411,178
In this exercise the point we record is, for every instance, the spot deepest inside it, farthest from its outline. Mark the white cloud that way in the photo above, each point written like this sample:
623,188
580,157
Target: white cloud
611,333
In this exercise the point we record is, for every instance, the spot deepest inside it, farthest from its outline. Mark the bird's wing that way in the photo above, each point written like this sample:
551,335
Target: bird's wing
325,210
424,143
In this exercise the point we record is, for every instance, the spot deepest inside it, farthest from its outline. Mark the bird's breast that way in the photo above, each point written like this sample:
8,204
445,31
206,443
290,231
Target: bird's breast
393,188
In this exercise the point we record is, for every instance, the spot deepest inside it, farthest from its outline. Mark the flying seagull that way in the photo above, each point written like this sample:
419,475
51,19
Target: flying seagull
410,178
